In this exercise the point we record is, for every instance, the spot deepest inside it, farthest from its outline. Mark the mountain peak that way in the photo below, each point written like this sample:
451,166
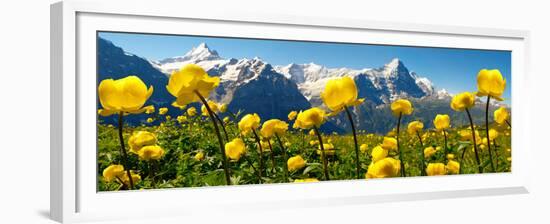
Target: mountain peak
201,52
394,64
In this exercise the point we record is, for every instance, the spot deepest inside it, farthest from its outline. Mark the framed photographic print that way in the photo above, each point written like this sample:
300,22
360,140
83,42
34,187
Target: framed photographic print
186,111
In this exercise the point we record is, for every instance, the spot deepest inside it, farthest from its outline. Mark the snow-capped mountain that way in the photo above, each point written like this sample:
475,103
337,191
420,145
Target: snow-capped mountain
201,55
255,86
380,85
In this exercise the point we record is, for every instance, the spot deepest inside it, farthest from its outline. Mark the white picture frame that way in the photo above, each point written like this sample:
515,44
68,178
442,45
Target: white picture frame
74,197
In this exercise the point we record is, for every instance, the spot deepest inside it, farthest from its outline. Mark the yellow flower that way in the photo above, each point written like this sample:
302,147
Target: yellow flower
312,132
401,106
191,111
453,167
235,149
442,121
295,163
501,115
434,169
306,180
414,127
490,83
329,149
287,144
150,152
168,117
466,135
223,107
313,142
429,152
363,148
226,120
272,127
135,178
150,120
340,93
182,118
379,153
112,172
163,110
493,134
150,109
389,143
176,105
310,118
387,167
140,139
248,123
292,115
450,156
213,106
123,95
463,101
199,156
186,82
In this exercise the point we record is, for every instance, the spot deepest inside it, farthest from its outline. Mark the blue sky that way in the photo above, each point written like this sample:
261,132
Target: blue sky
452,69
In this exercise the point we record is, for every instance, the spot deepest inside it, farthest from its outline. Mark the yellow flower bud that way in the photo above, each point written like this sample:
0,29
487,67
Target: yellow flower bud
296,163
463,101
199,156
150,152
184,84
163,110
363,148
501,115
490,83
340,93
442,121
140,139
434,169
310,118
414,127
401,106
112,172
387,167
126,95
191,111
389,143
292,115
453,167
429,152
248,123
235,149
272,127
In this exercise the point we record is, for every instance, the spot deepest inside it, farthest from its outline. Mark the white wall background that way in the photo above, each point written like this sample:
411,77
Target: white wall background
24,111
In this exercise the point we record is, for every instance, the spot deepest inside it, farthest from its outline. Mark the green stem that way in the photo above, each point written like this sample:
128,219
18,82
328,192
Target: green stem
272,155
445,146
508,122
487,132
123,149
285,165
223,127
324,158
261,154
480,169
399,147
422,162
357,166
220,140
252,165
496,153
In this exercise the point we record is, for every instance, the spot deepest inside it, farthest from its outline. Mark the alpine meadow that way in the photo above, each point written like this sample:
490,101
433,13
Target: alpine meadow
277,111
